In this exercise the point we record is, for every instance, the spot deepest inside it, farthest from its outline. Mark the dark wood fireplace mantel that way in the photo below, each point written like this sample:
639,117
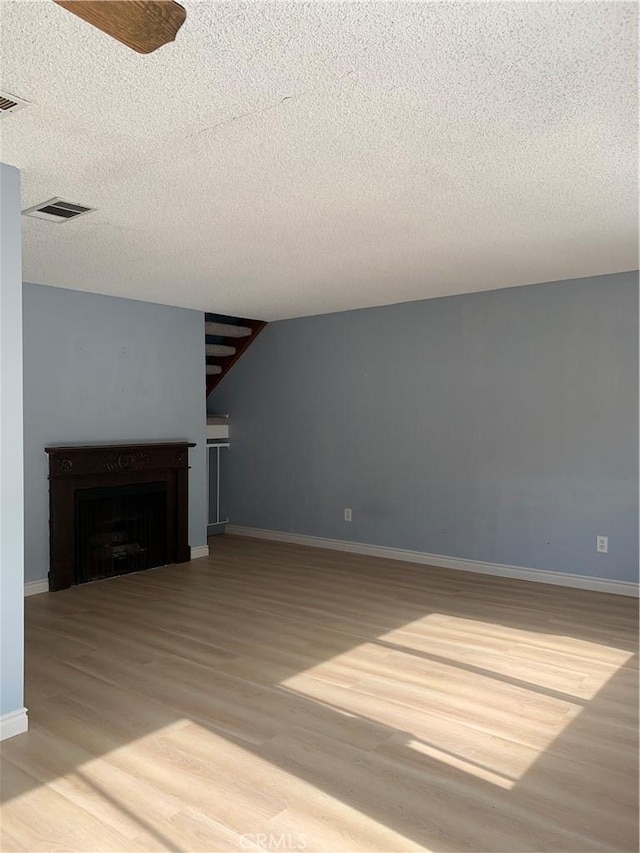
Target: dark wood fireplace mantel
73,468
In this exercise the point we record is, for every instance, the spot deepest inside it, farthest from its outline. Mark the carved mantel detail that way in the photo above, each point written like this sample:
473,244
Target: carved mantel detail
64,465
127,460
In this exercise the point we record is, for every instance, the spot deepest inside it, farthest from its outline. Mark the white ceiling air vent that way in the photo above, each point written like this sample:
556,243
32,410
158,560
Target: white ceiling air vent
11,103
57,210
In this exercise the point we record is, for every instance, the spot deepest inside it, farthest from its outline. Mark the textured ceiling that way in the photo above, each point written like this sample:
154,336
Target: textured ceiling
283,159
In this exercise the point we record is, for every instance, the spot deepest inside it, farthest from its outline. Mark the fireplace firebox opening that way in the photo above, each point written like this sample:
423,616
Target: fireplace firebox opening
120,529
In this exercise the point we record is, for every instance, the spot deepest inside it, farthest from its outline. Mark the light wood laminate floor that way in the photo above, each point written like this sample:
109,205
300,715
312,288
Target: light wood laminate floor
278,697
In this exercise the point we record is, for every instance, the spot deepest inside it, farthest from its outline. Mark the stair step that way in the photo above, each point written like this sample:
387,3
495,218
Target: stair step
220,349
225,330
213,369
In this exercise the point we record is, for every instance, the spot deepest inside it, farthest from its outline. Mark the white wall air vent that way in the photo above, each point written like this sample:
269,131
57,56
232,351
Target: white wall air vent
57,210
11,103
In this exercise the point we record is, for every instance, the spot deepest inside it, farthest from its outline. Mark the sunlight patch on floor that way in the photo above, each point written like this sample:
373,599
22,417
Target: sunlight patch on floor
278,777
473,768
490,708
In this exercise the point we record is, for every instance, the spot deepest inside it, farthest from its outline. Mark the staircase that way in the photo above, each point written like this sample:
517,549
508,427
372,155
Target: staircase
226,340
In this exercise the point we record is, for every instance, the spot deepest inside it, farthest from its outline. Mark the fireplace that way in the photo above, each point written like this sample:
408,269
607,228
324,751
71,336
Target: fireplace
116,509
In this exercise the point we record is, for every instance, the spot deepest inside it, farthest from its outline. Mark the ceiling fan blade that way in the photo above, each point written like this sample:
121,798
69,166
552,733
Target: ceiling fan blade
143,25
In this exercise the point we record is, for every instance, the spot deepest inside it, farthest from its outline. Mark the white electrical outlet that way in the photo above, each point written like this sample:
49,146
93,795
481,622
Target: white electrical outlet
347,514
602,544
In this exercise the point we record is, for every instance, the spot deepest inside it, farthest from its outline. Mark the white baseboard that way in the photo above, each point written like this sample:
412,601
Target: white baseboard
199,551
497,569
14,723
36,587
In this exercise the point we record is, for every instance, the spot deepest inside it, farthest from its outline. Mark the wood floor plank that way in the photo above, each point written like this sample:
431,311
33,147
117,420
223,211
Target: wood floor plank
44,819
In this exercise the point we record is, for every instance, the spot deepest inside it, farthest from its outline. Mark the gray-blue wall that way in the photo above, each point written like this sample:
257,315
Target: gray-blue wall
11,477
99,368
498,426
